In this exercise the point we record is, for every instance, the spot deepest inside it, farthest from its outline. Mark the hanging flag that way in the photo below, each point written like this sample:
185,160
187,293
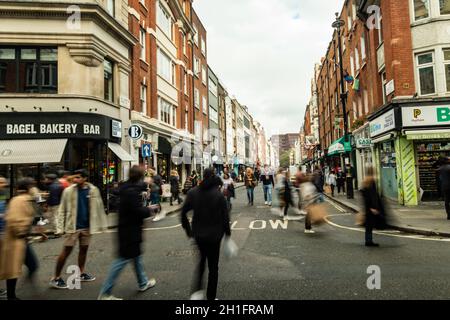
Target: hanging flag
356,85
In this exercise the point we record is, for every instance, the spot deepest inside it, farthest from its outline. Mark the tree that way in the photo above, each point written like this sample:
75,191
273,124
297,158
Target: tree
285,159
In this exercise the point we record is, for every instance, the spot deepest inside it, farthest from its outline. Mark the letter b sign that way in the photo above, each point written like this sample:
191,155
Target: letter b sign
135,132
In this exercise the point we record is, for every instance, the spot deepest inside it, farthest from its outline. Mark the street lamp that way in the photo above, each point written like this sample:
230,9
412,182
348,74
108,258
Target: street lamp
338,24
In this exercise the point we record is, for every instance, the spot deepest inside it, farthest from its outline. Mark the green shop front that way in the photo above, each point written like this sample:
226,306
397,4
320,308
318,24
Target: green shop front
410,139
337,151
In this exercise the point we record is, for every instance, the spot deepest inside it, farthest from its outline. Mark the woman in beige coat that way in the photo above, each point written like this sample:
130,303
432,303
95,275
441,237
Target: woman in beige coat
15,250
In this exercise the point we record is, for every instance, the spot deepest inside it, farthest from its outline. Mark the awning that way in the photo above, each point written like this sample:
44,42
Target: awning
340,146
164,146
120,152
427,134
31,151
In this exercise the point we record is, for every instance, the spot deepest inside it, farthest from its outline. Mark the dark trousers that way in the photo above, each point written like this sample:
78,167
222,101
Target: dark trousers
341,186
447,202
229,202
369,229
286,207
209,250
349,188
332,190
175,196
31,264
308,222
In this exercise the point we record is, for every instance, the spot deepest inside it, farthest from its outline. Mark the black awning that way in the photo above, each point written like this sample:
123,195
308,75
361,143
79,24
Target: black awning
164,146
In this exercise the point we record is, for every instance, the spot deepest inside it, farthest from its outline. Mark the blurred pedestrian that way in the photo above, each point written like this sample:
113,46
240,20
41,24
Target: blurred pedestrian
250,184
174,181
132,213
444,177
228,189
349,177
318,181
3,192
194,178
332,181
81,213
340,181
155,188
54,199
373,206
187,185
268,184
16,250
64,178
309,196
286,195
210,222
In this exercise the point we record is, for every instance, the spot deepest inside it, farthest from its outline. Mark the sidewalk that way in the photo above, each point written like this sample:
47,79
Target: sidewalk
113,217
427,218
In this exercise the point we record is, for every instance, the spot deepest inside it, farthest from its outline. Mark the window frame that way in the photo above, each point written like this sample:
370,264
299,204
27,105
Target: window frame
446,63
143,98
162,12
112,80
143,43
424,66
414,11
443,14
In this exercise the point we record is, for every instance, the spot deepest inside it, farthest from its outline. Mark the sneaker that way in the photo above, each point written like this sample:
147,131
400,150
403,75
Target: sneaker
86,277
199,295
269,203
265,202
107,297
285,218
58,283
2,293
309,231
150,284
372,244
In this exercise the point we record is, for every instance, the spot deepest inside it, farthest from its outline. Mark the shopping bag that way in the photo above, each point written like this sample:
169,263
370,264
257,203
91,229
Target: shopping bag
360,219
317,213
327,189
230,249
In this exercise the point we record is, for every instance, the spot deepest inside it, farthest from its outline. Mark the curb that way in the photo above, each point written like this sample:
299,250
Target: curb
424,232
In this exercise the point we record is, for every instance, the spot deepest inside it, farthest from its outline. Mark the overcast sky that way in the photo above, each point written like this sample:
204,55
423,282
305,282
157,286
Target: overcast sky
264,52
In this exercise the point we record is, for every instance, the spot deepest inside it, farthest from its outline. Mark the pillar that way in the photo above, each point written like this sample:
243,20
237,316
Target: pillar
406,172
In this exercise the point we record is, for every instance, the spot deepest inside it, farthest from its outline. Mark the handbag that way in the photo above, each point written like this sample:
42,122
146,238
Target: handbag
317,213
360,219
230,249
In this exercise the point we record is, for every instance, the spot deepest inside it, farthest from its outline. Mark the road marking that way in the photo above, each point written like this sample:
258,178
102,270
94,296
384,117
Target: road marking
337,206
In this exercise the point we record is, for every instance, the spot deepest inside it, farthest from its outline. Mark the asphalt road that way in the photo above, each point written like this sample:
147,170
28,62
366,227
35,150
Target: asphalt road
276,261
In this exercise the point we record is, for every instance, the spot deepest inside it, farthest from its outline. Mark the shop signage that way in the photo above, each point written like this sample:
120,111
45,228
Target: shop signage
52,125
135,131
428,136
382,124
426,116
363,143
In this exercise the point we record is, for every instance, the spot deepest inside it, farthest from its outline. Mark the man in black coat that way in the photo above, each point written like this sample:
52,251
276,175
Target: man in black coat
444,177
210,222
131,219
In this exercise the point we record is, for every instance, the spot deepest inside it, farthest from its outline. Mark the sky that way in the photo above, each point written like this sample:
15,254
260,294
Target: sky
264,53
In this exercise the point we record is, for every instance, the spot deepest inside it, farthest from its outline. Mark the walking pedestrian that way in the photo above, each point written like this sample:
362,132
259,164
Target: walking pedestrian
187,185
132,213
318,181
194,178
16,250
81,213
332,181
3,186
228,189
155,188
308,196
250,184
349,177
210,222
373,205
174,181
268,184
53,201
340,180
444,177
286,195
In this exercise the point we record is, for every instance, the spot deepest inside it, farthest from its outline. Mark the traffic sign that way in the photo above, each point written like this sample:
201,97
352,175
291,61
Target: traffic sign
135,132
146,150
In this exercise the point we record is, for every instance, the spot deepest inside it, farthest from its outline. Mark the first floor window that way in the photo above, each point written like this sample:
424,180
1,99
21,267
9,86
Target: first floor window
186,120
167,112
425,66
185,83
108,80
165,67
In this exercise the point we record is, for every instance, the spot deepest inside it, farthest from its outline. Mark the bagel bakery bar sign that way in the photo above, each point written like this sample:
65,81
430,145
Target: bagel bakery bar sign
46,125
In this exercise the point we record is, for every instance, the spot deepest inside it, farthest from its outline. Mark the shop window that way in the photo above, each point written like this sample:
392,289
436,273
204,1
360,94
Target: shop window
425,69
421,9
108,80
444,6
30,70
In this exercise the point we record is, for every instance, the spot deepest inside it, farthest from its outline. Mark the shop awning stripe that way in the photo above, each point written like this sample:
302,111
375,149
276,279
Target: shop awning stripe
31,151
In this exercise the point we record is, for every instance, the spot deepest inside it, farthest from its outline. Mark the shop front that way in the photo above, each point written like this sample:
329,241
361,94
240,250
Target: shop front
363,152
36,144
337,151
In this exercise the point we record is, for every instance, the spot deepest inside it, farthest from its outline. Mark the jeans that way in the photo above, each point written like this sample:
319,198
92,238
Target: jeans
250,194
267,192
117,267
209,250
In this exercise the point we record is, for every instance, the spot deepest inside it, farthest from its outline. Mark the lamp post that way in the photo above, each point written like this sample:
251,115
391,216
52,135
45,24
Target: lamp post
338,24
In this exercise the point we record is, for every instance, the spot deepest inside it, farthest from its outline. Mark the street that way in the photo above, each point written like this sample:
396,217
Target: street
277,260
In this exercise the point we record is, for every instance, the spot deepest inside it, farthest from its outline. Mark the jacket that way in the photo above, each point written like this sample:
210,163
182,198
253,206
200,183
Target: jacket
55,192
66,221
174,184
19,218
210,212
131,219
318,180
267,178
372,200
250,181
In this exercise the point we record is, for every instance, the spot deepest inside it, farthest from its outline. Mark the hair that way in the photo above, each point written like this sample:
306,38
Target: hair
82,172
249,170
25,184
62,173
194,172
136,173
226,175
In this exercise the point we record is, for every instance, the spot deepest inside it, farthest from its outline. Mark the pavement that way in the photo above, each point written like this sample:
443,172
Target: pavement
276,261
428,218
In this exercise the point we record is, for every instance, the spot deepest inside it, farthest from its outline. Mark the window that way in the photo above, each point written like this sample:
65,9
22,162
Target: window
164,21
198,130
352,65
213,88
196,66
203,47
444,6
183,43
425,66
31,70
213,115
197,98
110,7
167,112
360,107
204,76
195,35
186,121
363,47
185,83
205,105
421,9
447,68
143,41
165,66
173,73
366,102
143,99
343,44
357,59
383,82
108,80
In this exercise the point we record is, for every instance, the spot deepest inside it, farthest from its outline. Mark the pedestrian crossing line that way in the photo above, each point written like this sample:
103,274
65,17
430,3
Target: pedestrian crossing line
388,233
